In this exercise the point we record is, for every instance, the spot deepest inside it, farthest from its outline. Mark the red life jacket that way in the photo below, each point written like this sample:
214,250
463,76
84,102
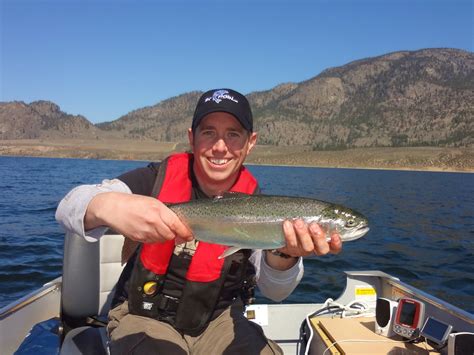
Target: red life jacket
208,284
205,265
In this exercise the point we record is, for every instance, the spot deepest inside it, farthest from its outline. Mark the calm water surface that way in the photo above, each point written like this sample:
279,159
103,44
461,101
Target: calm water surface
422,224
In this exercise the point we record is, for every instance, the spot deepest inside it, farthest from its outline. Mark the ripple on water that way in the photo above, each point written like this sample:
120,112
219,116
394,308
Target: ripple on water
422,224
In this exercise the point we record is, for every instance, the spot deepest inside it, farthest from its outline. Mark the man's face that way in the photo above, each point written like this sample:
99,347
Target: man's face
220,145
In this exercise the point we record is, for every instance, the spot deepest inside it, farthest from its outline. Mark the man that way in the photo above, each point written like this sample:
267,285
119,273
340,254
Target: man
181,298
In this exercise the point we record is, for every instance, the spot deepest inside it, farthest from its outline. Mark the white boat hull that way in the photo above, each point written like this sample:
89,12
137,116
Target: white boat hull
281,322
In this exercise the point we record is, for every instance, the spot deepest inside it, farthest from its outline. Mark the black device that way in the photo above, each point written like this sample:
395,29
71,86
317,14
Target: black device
385,310
436,331
409,317
461,343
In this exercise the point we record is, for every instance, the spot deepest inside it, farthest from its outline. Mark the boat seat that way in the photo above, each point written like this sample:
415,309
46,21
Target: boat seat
90,273
85,340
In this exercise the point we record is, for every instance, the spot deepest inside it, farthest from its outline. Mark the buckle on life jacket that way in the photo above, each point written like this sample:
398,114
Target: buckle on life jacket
167,303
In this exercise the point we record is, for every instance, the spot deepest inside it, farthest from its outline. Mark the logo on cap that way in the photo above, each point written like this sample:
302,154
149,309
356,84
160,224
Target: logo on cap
220,95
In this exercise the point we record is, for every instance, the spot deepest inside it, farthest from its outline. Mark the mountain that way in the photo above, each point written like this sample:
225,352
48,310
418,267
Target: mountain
165,122
406,98
41,119
409,98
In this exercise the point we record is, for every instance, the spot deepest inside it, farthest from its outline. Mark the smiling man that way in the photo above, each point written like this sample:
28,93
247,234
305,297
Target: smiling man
219,141
180,298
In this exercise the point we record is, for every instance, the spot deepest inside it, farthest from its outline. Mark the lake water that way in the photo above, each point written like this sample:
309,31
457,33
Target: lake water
422,224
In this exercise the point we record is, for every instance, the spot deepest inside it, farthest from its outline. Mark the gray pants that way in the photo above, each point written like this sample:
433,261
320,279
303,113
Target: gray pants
230,333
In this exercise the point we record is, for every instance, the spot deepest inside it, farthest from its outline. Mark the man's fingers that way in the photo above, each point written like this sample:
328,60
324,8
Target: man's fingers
178,240
335,245
290,235
180,229
169,226
304,239
321,246
164,233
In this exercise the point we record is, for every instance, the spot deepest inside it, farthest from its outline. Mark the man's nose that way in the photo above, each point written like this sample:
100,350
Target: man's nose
220,145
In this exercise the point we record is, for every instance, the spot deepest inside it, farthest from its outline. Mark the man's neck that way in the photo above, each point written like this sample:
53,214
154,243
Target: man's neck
215,190
212,190
208,187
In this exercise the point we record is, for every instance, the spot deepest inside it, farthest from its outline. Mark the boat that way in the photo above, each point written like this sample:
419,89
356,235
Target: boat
68,314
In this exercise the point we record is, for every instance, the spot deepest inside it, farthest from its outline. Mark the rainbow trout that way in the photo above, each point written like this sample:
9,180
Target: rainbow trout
255,221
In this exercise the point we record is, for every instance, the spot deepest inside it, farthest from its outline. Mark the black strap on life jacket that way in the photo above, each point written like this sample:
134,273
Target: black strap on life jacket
188,305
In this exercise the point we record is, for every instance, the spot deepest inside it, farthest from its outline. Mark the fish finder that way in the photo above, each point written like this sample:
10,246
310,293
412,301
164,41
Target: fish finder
436,331
409,317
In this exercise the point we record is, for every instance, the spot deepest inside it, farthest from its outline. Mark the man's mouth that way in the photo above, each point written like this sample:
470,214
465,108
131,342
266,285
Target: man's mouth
219,162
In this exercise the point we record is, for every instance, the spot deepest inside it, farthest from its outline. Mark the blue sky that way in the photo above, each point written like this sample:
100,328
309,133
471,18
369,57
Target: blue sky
105,58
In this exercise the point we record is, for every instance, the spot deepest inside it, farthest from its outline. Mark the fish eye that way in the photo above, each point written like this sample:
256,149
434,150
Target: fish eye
350,223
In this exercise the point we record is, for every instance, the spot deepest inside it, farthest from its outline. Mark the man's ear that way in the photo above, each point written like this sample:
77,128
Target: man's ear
252,141
191,139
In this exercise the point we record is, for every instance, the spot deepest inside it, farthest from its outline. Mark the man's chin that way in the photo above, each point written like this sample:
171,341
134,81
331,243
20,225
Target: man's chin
218,176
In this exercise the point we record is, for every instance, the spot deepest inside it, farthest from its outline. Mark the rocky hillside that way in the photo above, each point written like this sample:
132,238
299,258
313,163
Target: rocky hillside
41,119
400,99
167,121
409,98
416,98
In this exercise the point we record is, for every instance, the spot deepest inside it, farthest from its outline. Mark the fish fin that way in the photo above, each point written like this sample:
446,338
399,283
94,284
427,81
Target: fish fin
229,251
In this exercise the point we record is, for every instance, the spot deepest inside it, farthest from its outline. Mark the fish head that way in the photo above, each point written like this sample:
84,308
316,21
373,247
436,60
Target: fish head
350,224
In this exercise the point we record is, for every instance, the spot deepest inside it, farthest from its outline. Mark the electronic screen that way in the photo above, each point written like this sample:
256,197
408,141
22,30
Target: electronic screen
436,330
409,317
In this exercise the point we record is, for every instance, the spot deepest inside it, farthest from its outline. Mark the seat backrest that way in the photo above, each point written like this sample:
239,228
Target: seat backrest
90,273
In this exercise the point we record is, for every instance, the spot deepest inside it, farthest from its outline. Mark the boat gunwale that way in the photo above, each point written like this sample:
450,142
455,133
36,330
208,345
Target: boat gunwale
46,289
434,301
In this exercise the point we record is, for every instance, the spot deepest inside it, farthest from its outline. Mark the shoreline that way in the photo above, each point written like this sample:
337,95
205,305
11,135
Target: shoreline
431,159
432,170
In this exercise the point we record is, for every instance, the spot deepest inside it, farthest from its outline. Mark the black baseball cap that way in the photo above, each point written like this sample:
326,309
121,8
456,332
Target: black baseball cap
224,100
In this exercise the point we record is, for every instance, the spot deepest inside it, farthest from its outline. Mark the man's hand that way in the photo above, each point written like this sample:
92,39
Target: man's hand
140,218
305,239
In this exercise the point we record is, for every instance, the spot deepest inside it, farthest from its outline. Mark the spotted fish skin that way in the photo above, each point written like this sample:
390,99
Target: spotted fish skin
255,221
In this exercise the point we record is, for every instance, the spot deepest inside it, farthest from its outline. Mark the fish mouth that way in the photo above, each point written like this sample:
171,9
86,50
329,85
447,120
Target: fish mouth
355,234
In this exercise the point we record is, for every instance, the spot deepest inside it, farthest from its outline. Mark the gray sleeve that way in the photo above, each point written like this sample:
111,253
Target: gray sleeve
275,284
72,208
